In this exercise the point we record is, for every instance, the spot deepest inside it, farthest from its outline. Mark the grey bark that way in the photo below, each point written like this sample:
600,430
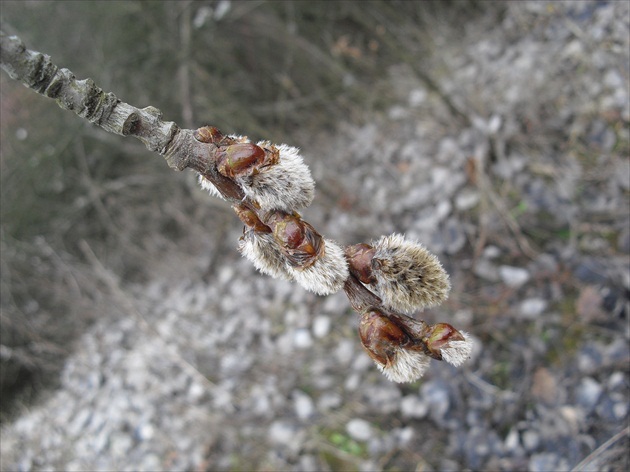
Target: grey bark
37,71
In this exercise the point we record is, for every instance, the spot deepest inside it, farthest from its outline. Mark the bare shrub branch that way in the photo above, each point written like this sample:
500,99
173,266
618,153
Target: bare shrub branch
267,184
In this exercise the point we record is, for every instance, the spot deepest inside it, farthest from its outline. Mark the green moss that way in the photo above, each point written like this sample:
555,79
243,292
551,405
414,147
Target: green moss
346,444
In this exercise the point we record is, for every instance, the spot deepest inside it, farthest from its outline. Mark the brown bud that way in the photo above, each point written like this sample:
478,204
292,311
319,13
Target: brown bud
381,336
326,273
290,232
298,240
250,219
210,134
446,343
389,343
281,182
360,262
240,159
316,264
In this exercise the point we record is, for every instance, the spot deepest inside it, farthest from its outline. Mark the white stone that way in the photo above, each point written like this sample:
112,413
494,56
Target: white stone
466,200
531,440
412,407
532,307
146,432
281,432
513,276
321,326
195,391
588,392
417,97
359,430
302,338
511,442
303,404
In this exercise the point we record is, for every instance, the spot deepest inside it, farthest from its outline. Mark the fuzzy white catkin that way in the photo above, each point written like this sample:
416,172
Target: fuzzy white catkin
285,186
457,352
406,366
328,274
262,250
408,276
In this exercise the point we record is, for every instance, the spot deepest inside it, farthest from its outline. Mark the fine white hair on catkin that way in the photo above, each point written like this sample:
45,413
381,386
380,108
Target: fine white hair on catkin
209,186
408,276
262,250
457,352
286,185
406,366
328,274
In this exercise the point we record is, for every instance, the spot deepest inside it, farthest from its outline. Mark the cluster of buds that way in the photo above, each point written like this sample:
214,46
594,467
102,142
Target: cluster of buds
395,275
407,278
402,347
268,184
276,183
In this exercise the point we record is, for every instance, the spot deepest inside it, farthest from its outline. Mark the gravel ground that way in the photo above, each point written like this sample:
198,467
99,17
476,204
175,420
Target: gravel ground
522,192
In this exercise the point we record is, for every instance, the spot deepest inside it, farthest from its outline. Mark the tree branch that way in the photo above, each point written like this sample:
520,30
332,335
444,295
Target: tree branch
37,71
266,185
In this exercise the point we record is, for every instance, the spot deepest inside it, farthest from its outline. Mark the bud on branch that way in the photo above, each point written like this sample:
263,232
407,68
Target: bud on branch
403,273
275,177
267,184
401,346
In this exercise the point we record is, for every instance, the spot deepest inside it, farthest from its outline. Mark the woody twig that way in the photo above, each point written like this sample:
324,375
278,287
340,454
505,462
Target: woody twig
267,185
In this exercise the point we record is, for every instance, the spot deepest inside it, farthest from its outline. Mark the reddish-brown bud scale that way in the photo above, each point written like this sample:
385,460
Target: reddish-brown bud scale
298,240
291,233
272,154
240,159
380,336
360,258
211,135
440,335
250,219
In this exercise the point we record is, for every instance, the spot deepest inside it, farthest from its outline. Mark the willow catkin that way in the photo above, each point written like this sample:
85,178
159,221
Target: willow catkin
408,277
283,184
393,350
286,185
327,274
402,347
262,251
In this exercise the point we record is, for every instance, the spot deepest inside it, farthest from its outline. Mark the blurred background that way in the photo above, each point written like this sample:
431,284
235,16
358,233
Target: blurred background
134,337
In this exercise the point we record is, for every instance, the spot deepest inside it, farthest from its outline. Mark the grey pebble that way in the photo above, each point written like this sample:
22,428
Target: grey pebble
514,277
412,407
588,393
359,429
303,404
321,326
547,461
532,308
435,394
